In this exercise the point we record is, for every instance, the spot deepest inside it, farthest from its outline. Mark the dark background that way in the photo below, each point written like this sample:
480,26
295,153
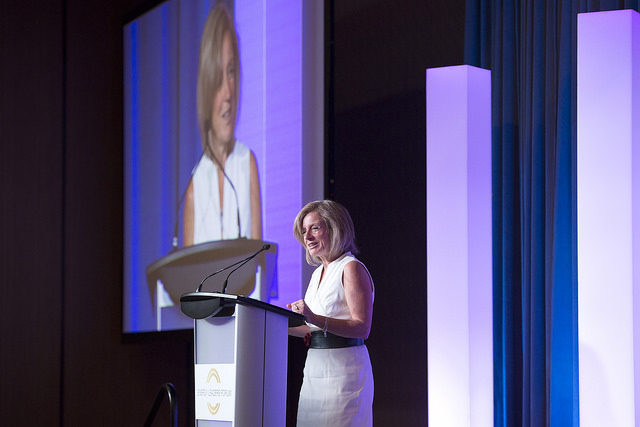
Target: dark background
63,358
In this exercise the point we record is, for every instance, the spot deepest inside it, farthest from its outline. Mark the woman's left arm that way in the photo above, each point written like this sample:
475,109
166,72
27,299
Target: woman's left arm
256,208
358,290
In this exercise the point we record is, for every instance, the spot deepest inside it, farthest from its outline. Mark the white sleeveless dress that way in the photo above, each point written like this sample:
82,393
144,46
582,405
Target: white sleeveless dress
337,389
209,222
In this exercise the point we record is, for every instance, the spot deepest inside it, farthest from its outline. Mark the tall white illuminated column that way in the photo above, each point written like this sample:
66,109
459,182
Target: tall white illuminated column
459,247
608,216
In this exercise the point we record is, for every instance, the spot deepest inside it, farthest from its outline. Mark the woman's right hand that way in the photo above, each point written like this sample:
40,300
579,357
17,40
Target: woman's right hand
300,331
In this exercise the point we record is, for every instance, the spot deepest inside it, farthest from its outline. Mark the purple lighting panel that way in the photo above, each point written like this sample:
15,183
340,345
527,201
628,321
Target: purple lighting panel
608,185
459,247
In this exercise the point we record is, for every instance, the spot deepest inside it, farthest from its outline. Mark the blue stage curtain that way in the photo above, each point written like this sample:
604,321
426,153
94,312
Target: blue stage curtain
530,48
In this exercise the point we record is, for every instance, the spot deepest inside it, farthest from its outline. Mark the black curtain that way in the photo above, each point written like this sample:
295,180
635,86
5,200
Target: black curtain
530,47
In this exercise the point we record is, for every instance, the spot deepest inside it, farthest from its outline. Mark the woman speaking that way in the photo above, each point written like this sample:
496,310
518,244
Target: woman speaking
337,389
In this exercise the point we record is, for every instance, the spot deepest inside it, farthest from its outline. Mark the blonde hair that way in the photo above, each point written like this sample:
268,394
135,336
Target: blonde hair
210,70
339,224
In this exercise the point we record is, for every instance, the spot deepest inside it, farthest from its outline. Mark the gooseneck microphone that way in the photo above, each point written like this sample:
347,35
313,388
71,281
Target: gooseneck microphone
241,262
215,159
264,248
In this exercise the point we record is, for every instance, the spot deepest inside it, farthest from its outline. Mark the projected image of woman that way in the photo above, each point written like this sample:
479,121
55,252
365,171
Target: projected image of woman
223,197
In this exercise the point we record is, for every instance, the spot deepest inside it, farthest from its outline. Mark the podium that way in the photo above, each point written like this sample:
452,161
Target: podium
240,359
182,270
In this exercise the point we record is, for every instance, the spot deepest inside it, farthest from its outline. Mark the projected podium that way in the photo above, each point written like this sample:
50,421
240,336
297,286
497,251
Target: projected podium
182,270
240,359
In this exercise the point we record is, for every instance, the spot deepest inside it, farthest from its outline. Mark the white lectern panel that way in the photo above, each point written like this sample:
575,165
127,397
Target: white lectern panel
241,368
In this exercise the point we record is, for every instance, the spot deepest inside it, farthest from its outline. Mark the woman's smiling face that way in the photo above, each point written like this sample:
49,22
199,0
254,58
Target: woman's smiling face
316,236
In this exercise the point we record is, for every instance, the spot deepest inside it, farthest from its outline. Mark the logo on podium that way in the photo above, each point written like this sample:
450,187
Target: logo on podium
215,391
213,409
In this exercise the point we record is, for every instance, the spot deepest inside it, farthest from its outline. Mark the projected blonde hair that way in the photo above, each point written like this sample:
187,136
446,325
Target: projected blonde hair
210,70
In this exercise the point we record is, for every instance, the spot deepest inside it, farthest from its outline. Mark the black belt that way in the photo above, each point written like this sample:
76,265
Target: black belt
318,340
